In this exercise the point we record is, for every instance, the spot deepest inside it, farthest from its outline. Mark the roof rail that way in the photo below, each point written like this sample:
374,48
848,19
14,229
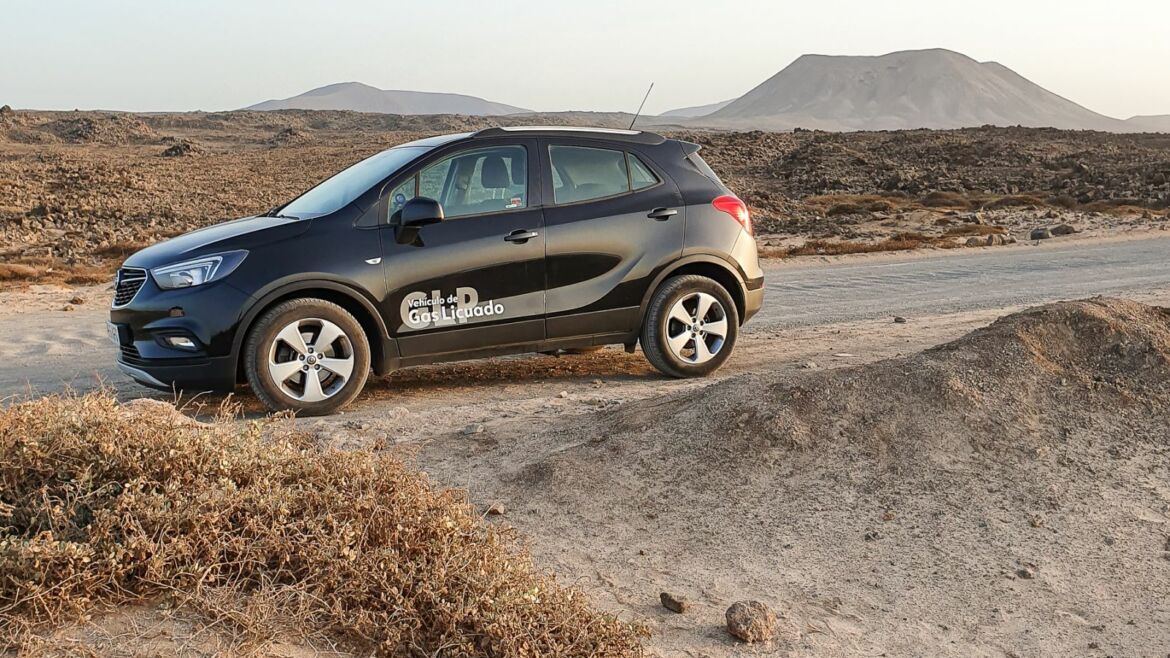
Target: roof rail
636,136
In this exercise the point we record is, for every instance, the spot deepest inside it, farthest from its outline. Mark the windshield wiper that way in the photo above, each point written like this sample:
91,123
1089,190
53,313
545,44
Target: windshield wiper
275,212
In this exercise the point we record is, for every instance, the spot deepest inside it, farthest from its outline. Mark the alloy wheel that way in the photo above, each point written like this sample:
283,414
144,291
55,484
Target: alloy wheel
696,328
311,359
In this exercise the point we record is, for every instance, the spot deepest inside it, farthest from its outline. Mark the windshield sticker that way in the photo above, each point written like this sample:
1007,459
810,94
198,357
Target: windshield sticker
422,310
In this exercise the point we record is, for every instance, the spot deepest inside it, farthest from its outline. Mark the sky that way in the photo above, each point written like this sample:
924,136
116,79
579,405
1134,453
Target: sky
548,55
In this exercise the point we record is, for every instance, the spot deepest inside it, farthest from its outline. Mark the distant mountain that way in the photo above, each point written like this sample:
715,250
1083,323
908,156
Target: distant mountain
911,89
697,111
364,98
1150,124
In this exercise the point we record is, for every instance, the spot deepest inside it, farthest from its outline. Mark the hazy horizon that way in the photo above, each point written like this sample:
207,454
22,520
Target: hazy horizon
600,56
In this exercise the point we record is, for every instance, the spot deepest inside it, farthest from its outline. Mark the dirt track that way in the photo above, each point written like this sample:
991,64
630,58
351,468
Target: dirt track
814,309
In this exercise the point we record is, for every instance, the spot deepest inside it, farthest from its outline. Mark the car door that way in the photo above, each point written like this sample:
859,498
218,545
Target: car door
476,279
613,220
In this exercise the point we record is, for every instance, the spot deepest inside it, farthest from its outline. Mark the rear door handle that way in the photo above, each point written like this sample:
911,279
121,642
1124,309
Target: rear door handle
662,214
520,235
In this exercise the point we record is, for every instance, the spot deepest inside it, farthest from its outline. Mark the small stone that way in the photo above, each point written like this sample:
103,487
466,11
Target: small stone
1040,234
495,509
899,319
674,603
77,300
1025,573
563,394
811,365
873,535
1064,229
751,621
474,428
844,355
67,307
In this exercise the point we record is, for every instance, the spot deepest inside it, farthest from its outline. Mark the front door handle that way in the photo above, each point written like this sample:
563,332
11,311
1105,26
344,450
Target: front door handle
662,214
520,235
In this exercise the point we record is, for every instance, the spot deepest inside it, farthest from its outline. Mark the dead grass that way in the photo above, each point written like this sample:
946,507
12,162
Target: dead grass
946,200
896,242
17,272
967,230
101,506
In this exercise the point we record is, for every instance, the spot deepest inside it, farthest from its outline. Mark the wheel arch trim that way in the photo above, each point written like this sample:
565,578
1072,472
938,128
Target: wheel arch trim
280,291
687,265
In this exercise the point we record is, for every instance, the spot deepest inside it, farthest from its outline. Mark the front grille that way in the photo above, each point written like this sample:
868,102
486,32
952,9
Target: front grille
131,356
128,283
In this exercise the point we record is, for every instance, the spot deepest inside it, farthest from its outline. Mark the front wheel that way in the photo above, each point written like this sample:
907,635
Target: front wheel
307,355
690,326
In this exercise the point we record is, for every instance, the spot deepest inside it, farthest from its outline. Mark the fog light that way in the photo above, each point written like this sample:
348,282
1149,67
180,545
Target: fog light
181,342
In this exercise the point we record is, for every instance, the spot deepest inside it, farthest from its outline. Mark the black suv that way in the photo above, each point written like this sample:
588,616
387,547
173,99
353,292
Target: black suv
502,241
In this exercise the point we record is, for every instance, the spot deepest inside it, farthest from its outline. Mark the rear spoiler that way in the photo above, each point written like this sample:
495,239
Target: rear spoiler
689,148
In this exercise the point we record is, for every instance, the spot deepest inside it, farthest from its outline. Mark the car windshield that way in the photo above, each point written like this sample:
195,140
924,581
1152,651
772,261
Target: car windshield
342,188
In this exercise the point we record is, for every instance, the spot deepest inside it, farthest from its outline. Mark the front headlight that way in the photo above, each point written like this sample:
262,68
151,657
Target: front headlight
197,271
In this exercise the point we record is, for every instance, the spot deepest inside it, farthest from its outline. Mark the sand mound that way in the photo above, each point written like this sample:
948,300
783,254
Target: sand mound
1006,492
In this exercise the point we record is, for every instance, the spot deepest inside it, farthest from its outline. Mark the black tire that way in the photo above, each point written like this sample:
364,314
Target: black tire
658,326
266,351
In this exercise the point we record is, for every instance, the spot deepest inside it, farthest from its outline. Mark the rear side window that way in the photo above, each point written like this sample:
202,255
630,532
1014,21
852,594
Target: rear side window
582,173
640,175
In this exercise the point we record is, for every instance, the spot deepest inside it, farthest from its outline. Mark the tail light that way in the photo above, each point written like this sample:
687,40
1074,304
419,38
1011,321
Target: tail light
736,208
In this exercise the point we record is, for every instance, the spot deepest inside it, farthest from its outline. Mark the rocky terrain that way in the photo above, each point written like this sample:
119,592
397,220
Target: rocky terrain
80,190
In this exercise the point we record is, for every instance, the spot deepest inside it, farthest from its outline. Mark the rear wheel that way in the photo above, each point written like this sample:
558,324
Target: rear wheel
308,355
690,326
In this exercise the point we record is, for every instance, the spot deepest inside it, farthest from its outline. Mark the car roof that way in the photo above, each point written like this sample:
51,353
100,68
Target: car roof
608,134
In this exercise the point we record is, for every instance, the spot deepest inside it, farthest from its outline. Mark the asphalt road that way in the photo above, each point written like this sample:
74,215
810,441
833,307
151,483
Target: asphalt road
964,281
49,350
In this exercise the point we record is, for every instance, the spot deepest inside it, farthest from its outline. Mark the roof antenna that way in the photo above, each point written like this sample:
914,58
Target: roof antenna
639,112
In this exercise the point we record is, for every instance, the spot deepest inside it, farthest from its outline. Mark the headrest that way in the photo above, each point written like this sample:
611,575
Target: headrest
519,171
494,175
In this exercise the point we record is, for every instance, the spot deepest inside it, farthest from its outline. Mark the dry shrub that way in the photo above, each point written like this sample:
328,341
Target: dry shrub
965,230
1062,201
871,202
844,209
897,242
120,250
940,199
102,506
17,272
1012,201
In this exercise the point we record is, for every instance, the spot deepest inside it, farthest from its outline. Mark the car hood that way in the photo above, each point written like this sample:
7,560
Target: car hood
243,233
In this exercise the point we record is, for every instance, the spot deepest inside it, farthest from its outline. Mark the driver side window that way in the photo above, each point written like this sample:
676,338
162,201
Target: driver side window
472,182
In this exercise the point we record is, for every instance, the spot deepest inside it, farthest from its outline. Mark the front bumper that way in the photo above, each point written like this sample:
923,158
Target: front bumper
196,376
207,315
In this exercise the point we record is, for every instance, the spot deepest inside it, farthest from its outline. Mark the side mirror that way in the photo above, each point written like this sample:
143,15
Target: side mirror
417,213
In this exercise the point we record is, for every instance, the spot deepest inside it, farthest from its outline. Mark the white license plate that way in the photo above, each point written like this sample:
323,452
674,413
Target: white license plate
112,332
